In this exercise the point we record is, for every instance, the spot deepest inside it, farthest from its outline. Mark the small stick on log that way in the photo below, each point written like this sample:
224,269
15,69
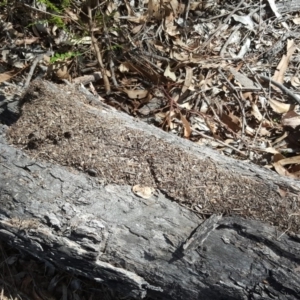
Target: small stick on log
98,53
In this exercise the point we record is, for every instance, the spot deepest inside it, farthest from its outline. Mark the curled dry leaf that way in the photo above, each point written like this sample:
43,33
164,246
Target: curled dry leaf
280,161
186,125
264,132
169,74
6,76
26,41
290,160
169,26
268,150
71,14
283,64
123,68
291,119
143,191
188,79
136,94
282,171
232,121
258,116
280,107
256,113
137,29
249,130
296,21
295,82
243,80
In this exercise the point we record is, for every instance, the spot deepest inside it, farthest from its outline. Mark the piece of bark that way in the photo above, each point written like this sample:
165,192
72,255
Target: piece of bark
105,232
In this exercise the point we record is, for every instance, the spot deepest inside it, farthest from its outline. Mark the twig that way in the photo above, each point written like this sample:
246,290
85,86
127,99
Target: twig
187,10
112,71
238,100
98,53
86,79
158,57
282,87
50,14
153,65
44,12
226,14
244,123
258,129
204,45
32,68
260,18
220,142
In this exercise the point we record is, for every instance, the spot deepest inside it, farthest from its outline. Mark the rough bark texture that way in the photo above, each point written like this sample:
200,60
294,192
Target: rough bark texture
288,6
60,125
154,247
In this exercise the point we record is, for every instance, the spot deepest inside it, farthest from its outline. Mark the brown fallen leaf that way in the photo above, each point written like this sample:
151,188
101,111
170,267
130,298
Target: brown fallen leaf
136,94
290,160
169,74
232,121
186,125
256,113
268,150
283,64
7,75
143,191
280,107
264,132
187,80
282,171
26,41
277,157
291,119
243,80
295,82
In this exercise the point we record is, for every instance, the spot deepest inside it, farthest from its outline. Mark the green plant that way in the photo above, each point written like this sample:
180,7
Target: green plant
58,10
3,3
63,56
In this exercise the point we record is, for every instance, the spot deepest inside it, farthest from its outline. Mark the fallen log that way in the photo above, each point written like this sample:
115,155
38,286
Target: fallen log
111,198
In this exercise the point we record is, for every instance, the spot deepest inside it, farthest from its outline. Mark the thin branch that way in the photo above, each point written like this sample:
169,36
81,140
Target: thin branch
187,10
285,90
220,142
238,100
98,53
32,68
112,71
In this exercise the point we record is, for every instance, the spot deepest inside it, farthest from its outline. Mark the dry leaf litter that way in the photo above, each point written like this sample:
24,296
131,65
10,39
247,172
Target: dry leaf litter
221,73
